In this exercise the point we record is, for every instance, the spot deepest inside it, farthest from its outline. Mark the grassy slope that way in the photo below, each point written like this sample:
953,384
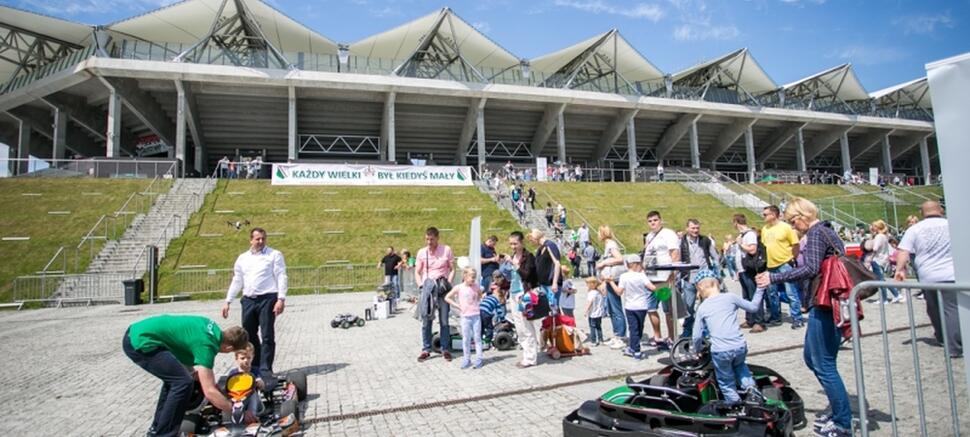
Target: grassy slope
364,214
866,207
27,216
624,206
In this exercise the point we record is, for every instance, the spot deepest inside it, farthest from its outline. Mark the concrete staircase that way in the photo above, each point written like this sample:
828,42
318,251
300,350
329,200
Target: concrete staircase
884,195
727,196
126,258
531,219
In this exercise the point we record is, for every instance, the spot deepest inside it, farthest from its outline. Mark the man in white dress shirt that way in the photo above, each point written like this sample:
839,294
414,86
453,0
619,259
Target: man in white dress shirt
260,273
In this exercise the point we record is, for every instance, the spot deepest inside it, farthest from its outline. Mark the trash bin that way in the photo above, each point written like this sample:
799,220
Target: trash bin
133,289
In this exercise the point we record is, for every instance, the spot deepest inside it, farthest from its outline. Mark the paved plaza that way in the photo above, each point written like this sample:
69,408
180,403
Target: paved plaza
63,373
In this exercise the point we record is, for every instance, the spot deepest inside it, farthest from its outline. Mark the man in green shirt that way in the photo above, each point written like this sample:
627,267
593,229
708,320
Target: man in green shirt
178,349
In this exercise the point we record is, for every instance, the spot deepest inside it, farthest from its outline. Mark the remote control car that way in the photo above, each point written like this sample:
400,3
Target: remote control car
346,320
684,400
278,414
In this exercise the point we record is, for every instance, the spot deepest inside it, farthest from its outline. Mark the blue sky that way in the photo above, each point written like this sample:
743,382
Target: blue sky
887,41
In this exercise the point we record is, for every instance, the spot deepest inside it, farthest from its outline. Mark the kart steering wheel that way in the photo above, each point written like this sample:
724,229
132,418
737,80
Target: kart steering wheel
686,360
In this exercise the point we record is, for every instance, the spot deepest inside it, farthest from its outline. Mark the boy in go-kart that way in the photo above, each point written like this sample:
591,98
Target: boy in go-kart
244,365
717,316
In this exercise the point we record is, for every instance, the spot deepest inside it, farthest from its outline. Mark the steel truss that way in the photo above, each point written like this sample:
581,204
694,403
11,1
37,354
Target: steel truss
340,145
620,153
501,149
237,38
592,69
817,93
733,158
437,54
891,104
825,162
698,84
30,50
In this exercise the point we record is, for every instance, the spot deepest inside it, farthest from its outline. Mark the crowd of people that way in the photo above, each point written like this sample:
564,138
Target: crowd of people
245,168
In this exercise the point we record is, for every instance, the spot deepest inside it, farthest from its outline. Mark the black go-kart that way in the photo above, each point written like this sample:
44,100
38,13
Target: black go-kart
279,412
503,338
683,399
346,320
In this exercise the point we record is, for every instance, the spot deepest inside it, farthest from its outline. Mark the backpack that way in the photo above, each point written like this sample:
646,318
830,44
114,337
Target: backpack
516,194
757,263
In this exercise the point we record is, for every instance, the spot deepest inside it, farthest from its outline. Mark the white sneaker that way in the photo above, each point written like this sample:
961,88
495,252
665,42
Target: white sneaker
620,344
899,299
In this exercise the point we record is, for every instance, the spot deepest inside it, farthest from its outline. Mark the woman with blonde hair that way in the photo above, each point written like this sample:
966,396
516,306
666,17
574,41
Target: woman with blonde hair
822,338
879,262
611,265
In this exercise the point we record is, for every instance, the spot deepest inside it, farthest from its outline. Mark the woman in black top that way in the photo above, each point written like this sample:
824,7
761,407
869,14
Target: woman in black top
525,265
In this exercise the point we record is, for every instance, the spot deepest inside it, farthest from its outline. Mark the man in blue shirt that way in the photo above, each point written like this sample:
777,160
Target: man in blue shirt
489,261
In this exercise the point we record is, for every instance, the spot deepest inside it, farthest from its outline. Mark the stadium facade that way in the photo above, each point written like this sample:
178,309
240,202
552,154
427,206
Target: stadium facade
203,79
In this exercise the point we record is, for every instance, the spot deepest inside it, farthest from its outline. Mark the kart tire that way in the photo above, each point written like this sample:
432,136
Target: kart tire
503,341
345,324
299,381
334,323
289,407
190,424
436,343
360,323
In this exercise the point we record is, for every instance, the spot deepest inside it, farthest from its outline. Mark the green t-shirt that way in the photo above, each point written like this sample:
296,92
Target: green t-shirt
194,340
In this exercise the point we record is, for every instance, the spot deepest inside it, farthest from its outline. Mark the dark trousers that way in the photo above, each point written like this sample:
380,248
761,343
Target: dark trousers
748,287
636,318
951,318
444,309
488,328
177,386
259,322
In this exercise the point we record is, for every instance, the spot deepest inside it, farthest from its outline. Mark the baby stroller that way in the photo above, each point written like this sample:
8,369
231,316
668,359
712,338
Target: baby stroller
561,337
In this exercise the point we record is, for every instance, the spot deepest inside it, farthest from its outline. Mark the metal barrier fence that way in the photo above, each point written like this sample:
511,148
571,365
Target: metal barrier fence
857,353
98,287
329,277
93,167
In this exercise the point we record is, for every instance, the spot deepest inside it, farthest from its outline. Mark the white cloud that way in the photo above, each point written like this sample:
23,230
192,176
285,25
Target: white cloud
924,24
690,32
866,55
802,2
482,26
647,11
77,7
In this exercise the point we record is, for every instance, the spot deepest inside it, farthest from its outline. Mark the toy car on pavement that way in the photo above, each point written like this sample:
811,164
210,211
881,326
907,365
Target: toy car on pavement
279,413
683,400
346,320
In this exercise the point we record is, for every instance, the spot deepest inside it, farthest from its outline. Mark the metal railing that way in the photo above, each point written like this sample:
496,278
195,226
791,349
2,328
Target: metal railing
93,167
175,225
887,364
328,277
48,69
106,287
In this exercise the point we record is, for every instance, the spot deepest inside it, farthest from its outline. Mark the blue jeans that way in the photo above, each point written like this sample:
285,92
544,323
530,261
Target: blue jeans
471,329
748,288
614,306
177,386
730,266
822,341
729,369
395,285
636,318
259,322
689,293
881,276
445,332
596,329
790,289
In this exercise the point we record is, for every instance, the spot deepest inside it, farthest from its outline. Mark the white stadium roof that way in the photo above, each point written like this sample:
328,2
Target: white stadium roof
70,32
912,93
840,82
401,42
741,66
628,61
189,21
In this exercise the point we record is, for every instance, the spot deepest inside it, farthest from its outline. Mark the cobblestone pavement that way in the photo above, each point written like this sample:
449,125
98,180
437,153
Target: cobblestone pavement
63,373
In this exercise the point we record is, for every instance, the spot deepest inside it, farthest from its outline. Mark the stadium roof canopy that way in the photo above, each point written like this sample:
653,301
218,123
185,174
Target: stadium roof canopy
190,21
737,71
21,30
914,93
600,57
838,83
438,45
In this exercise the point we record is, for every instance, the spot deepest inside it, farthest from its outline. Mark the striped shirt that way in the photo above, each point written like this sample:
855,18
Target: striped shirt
492,307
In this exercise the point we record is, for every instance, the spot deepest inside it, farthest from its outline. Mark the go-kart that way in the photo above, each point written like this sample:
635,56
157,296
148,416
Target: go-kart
683,399
346,320
278,413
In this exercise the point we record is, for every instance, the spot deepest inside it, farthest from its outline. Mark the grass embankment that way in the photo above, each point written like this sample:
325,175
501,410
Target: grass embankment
867,207
624,207
316,225
57,212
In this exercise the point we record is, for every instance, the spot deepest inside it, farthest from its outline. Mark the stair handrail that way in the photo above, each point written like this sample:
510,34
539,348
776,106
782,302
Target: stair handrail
583,219
753,189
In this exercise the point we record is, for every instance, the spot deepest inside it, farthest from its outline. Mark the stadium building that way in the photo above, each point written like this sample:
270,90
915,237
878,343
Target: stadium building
203,79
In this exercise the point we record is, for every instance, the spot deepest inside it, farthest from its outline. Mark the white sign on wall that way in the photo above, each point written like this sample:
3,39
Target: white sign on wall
346,174
541,169
874,175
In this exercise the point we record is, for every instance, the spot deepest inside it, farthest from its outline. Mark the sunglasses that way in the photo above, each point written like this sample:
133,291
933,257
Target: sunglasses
792,219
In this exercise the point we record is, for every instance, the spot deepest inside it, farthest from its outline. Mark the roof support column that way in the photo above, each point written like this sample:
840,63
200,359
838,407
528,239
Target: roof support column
60,133
550,116
23,148
468,130
480,128
924,155
561,136
800,150
388,140
846,155
191,110
749,152
674,132
113,134
631,146
695,147
291,135
887,160
181,130
613,132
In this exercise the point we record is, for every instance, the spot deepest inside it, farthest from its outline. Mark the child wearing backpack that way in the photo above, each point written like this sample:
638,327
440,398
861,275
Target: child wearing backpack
717,316
469,297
